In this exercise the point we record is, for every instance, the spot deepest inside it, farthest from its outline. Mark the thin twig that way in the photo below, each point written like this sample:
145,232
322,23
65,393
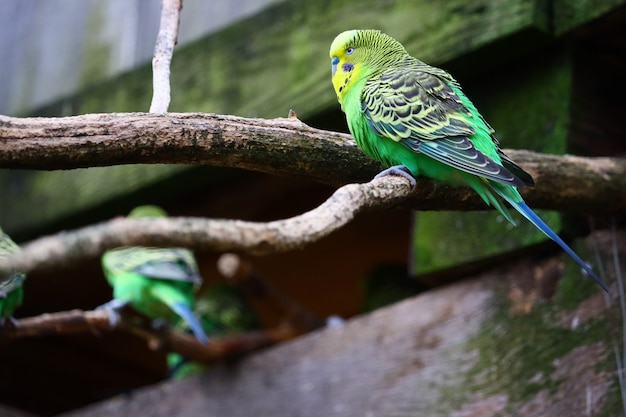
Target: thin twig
169,340
163,51
221,348
64,322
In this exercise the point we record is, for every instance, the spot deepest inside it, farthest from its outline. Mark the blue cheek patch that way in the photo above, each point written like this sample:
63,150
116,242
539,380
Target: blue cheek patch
347,67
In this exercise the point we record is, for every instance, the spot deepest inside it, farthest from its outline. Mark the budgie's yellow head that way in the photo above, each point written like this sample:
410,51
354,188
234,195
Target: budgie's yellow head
357,54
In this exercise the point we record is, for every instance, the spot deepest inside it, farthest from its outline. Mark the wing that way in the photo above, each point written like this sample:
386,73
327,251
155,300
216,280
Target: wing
7,247
162,263
409,103
516,169
417,106
460,153
6,287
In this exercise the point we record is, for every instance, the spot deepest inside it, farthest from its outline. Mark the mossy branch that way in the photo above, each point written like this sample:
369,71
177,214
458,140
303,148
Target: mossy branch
283,146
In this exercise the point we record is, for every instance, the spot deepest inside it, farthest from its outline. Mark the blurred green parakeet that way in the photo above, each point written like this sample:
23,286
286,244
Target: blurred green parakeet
11,291
157,282
415,119
222,310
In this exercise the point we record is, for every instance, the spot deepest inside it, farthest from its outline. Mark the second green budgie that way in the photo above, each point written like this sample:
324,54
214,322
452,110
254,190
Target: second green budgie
157,282
415,119
11,290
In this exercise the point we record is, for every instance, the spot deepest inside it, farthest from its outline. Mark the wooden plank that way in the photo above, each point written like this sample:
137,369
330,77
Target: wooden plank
278,58
513,342
570,14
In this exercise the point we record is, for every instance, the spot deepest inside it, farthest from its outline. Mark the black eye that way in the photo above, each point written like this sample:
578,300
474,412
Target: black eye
349,50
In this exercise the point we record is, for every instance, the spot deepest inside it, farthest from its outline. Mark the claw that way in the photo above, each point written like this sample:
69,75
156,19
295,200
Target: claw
8,322
400,170
159,325
113,307
334,321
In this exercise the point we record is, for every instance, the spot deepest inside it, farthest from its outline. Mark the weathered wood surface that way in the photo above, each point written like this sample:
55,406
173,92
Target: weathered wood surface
507,343
283,147
278,58
91,40
567,15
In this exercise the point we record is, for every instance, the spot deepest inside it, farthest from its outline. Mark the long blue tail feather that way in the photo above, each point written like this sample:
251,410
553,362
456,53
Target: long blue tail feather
541,225
185,312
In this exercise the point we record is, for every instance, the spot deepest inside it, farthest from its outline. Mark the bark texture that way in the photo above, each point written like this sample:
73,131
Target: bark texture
283,146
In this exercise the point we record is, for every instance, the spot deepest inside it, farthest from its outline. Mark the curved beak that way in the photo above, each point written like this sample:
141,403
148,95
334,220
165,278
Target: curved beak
334,63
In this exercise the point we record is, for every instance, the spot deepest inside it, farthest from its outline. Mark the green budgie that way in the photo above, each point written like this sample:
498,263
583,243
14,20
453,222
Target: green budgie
415,119
11,291
157,282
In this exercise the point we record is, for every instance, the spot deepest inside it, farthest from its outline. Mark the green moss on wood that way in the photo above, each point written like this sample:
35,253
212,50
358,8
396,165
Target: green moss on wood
570,14
528,103
56,194
96,51
446,239
93,194
518,352
278,59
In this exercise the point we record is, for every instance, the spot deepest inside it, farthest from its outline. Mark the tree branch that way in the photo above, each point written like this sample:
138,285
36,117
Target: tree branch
283,146
225,347
163,51
210,234
64,322
169,340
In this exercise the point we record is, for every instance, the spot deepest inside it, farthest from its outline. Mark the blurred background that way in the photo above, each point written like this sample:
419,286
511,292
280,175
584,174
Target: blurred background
547,75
